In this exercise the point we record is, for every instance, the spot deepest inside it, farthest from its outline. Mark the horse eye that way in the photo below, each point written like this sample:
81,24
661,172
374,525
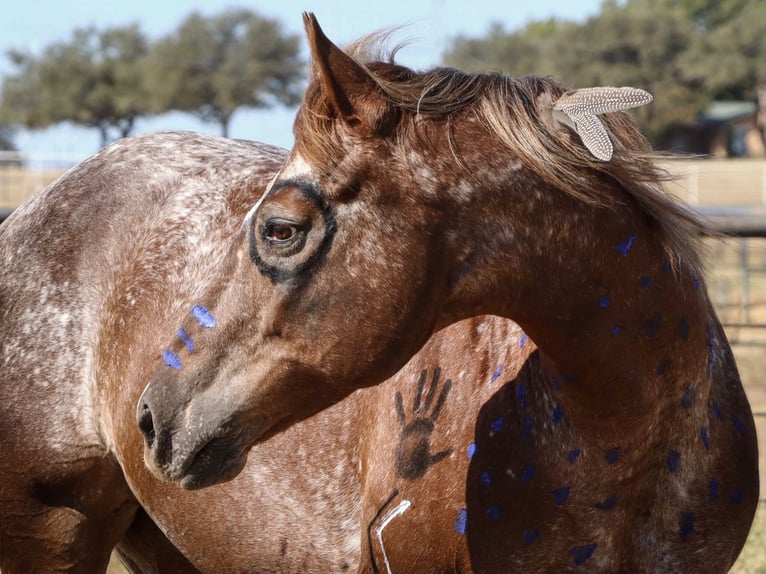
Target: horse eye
280,232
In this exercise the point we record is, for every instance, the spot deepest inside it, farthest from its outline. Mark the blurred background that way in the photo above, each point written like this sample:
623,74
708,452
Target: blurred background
75,76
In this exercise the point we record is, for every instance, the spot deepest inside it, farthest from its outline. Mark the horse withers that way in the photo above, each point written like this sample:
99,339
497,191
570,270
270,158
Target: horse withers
413,200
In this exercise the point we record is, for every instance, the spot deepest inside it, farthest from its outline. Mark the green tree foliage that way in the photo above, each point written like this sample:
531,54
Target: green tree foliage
94,80
685,52
212,66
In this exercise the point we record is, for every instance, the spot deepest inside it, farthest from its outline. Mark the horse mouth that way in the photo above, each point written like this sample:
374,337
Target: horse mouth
219,460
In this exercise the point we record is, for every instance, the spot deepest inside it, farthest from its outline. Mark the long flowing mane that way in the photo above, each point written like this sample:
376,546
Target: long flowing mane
519,112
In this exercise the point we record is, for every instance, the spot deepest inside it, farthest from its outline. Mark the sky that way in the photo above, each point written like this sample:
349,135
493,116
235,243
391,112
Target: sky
428,25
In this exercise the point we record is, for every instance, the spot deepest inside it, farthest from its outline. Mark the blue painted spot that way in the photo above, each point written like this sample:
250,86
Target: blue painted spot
663,367
558,414
616,329
560,495
604,302
607,504
461,522
555,382
528,473
523,340
625,246
531,535
526,428
486,480
574,455
494,511
521,395
713,490
738,425
685,524
683,328
567,379
471,450
184,336
705,437
496,374
667,267
717,411
581,554
689,393
674,461
612,455
203,316
645,281
498,423
697,282
736,496
652,326
172,360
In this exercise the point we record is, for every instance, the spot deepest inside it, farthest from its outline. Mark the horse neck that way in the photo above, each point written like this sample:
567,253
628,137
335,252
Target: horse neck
596,290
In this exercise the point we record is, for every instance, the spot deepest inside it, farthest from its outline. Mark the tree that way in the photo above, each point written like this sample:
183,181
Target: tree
6,139
213,66
685,52
93,80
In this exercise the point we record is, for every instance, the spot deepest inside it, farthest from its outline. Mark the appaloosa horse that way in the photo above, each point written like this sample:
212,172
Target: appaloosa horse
97,272
622,443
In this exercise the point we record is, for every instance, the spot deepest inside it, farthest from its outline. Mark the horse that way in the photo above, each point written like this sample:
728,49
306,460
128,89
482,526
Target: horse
413,200
98,269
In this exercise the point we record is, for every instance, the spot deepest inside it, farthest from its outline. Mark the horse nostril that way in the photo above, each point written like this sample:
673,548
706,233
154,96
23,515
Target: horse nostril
146,424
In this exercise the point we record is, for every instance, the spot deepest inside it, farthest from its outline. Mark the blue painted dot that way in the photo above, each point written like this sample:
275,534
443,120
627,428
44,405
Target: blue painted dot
528,473
683,328
689,393
526,428
184,336
612,455
494,511
717,411
663,367
558,414
555,382
713,490
685,524
531,535
697,282
574,455
604,302
652,326
567,379
471,450
496,374
581,554
521,395
736,496
674,461
738,425
608,503
645,281
616,329
461,522
705,437
560,495
486,480
172,360
523,340
203,316
667,267
498,423
624,247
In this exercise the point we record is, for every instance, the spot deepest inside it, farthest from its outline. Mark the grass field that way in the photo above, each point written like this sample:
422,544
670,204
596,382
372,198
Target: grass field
707,182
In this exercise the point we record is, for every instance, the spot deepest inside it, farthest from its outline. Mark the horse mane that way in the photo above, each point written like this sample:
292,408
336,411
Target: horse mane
519,112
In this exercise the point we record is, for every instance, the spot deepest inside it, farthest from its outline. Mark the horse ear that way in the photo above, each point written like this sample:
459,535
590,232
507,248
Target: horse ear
350,89
582,107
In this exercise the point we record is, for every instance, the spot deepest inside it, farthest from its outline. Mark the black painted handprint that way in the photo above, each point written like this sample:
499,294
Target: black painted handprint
413,455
